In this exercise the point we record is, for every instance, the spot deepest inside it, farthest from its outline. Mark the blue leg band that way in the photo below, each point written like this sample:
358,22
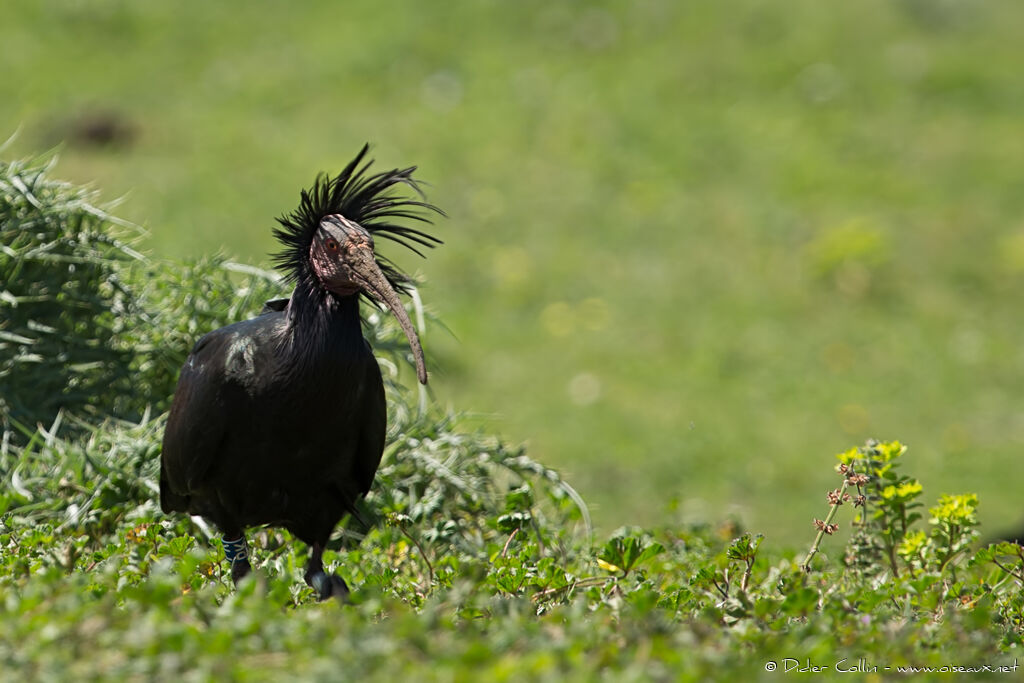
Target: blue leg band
235,551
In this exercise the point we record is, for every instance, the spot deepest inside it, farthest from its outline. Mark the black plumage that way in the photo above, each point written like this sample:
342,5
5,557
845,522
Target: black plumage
281,419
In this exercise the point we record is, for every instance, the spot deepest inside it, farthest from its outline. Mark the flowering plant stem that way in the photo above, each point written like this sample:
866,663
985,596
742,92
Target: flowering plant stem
823,528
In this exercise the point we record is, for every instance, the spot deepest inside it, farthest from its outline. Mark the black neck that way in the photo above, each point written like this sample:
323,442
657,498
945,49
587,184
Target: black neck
322,327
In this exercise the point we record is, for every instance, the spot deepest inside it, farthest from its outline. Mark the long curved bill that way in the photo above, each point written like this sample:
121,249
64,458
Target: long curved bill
364,267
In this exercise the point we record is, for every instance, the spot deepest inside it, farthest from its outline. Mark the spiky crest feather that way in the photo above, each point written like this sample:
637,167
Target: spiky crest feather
370,201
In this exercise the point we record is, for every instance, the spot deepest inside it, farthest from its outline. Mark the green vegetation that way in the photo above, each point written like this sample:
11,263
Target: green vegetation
481,563
690,243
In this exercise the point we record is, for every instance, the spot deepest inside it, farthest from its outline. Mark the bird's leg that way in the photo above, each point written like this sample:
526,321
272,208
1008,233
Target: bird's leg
315,576
236,552
324,585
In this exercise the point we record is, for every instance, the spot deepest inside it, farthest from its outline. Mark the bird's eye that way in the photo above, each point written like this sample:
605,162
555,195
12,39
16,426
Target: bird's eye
332,245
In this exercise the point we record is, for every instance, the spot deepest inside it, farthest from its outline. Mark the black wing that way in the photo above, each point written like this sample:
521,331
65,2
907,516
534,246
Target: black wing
224,365
373,432
195,426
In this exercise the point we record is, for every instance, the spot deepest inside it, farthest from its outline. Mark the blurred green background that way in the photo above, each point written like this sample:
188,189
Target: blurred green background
694,248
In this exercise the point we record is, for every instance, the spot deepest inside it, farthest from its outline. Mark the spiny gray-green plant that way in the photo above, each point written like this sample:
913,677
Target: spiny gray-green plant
63,299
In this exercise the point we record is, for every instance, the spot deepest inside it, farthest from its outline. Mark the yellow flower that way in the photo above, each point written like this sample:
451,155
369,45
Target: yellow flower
957,509
912,544
903,493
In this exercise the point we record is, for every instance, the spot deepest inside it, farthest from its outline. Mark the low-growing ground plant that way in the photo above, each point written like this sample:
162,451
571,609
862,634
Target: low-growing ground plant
470,560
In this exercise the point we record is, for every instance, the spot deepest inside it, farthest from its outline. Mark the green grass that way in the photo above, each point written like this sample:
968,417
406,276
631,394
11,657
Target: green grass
690,245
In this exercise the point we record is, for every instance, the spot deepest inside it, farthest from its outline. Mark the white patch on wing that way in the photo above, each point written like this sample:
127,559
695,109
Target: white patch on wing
240,362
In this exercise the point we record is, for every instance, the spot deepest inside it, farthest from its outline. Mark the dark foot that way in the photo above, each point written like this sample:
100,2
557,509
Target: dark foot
327,586
239,570
324,585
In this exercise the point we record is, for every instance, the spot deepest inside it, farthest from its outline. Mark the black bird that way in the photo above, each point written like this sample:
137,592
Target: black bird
280,420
